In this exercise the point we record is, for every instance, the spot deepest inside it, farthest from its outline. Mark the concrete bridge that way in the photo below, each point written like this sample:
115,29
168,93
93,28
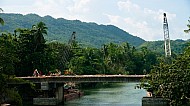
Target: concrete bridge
55,85
85,78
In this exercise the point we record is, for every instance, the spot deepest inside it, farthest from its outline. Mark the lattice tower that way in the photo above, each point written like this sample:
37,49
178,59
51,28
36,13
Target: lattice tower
166,37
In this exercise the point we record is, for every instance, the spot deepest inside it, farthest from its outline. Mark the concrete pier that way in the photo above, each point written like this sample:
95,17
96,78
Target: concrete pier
46,99
60,94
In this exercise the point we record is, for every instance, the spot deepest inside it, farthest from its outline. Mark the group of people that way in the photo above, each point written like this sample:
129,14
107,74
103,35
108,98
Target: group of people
36,73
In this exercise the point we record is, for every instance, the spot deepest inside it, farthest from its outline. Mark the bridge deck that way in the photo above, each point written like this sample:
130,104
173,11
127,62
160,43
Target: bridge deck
85,78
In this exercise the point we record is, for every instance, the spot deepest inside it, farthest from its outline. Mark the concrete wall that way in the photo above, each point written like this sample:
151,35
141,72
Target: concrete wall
60,94
44,86
45,101
150,101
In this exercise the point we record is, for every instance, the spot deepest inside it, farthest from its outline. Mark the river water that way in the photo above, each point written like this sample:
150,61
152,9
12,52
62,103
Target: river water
119,94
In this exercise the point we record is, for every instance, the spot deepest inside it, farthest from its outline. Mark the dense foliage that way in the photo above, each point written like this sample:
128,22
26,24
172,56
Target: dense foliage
171,81
26,50
8,58
112,59
32,52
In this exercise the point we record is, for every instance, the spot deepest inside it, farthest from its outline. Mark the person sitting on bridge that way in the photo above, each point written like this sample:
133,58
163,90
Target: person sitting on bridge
40,74
35,73
49,73
58,72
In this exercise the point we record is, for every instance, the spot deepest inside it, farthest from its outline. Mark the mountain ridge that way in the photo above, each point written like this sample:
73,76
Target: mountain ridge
60,29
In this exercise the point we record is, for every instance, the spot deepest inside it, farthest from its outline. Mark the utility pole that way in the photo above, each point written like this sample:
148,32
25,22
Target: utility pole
166,37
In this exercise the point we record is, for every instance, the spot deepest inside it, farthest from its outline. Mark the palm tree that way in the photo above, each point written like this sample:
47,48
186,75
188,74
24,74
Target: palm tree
188,25
42,28
1,20
39,30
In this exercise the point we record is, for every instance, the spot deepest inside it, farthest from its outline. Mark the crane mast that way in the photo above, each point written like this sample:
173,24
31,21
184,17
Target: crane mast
166,37
67,50
69,47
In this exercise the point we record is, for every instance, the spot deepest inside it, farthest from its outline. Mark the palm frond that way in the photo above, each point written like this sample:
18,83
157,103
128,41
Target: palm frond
1,9
1,21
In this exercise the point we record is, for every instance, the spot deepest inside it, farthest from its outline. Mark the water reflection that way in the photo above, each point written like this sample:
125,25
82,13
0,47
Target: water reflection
120,94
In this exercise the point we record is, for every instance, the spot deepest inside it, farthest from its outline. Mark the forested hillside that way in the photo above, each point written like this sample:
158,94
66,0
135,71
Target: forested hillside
88,34
177,46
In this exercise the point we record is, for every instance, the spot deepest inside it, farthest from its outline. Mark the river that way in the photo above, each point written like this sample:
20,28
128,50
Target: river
119,94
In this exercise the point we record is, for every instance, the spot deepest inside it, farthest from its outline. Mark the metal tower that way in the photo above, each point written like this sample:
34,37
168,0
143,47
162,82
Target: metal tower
166,37
69,47
66,51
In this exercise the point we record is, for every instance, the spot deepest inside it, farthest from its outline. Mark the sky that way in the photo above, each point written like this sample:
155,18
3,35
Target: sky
142,18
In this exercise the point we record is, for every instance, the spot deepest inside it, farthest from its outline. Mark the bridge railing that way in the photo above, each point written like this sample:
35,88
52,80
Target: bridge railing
85,78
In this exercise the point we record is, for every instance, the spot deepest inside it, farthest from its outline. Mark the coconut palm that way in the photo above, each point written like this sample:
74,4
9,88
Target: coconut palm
188,25
1,20
39,30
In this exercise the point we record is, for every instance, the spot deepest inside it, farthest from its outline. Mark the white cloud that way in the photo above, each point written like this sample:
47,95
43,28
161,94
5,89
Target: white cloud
56,8
79,10
127,5
69,9
142,22
140,28
80,6
134,18
113,19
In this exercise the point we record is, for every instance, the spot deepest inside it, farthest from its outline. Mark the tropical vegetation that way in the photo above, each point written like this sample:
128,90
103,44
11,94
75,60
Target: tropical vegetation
171,80
27,49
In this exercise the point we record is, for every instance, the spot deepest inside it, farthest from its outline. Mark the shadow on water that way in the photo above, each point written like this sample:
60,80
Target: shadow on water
108,94
99,86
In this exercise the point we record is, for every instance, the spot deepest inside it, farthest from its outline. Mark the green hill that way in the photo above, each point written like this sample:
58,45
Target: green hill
177,46
88,34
